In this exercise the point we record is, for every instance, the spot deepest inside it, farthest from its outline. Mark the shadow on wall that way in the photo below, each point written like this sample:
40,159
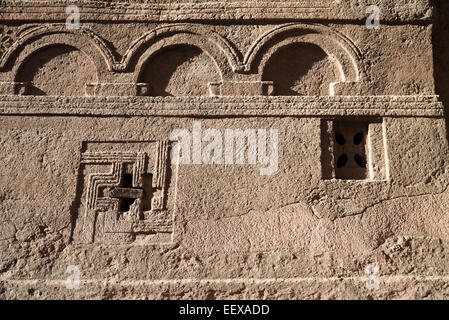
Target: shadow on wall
441,55
57,70
300,69
180,71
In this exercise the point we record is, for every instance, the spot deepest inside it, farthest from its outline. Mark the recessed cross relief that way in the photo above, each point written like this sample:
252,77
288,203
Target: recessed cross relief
354,150
123,196
350,150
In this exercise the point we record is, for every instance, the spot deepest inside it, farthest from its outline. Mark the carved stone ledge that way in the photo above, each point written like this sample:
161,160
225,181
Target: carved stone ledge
314,106
225,10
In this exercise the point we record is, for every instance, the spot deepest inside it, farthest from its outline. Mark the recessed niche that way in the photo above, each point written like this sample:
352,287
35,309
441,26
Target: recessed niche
180,71
301,69
57,70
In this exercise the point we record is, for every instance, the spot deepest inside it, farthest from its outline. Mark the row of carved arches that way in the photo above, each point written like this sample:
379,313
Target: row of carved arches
182,60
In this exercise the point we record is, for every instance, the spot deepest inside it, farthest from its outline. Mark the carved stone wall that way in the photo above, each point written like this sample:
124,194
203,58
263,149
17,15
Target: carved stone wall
224,149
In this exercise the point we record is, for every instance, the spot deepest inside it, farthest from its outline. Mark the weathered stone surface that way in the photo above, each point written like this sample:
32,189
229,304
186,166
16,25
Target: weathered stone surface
224,149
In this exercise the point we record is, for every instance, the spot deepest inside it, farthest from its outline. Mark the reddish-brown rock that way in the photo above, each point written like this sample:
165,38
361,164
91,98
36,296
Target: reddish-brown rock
224,149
